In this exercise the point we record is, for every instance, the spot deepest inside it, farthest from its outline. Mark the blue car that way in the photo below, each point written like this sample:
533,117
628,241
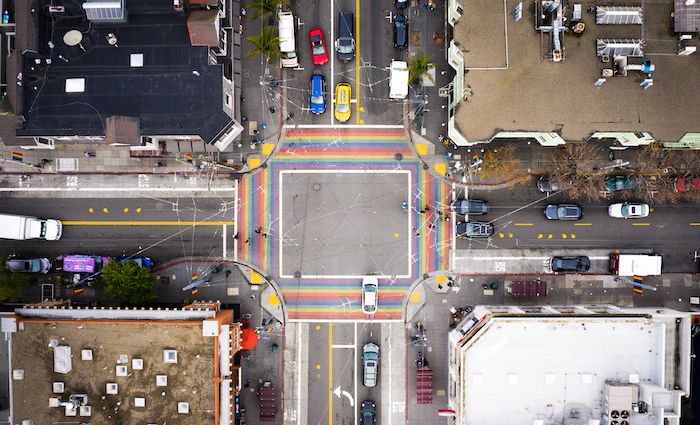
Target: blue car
317,101
141,261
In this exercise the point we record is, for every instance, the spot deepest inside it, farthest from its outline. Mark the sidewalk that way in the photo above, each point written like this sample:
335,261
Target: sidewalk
673,291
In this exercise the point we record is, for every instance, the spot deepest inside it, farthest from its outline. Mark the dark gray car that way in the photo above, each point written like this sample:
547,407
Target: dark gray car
400,32
368,410
345,44
578,264
474,229
470,206
563,212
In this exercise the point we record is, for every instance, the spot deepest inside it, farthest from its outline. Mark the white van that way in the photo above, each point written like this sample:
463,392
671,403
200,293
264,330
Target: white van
21,227
398,80
287,42
635,265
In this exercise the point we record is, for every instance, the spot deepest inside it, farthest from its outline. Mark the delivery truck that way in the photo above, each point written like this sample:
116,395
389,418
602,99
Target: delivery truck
635,264
21,227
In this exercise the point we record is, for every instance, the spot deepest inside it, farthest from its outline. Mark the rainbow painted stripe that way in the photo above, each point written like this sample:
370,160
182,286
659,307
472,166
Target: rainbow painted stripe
347,149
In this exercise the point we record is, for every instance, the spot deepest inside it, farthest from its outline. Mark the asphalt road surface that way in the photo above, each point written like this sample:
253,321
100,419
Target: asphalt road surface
518,217
159,228
367,74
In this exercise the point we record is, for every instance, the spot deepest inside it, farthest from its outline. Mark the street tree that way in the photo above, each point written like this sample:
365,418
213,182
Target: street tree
128,282
265,7
418,66
266,45
11,282
501,164
577,167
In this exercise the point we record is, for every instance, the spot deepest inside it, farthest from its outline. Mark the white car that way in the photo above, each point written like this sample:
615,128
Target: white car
370,286
628,210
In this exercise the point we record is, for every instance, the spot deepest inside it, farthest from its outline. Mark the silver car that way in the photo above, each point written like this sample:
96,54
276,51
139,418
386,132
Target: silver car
32,265
370,361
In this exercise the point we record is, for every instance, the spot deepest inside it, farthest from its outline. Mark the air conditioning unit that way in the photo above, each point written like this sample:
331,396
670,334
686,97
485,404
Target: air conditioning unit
105,11
619,401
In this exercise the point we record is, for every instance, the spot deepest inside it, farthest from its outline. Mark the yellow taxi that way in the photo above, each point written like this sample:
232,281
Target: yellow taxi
343,93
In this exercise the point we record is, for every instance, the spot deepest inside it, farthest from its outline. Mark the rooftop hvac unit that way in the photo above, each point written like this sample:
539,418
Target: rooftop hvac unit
105,11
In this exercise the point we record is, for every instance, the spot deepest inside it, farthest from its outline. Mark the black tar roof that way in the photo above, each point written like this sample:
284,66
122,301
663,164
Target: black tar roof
176,92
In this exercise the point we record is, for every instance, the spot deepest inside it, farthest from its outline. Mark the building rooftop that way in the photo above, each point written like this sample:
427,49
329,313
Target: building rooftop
193,379
512,86
145,68
518,370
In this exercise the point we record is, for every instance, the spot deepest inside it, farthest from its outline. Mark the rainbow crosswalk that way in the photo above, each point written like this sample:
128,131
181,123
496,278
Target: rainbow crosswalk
332,149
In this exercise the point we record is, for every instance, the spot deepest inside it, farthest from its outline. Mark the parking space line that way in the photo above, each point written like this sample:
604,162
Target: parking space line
583,224
356,374
332,86
357,62
641,224
343,346
330,373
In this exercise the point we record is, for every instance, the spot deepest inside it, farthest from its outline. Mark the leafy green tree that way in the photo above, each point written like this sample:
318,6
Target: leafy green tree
418,66
267,45
11,283
128,282
265,7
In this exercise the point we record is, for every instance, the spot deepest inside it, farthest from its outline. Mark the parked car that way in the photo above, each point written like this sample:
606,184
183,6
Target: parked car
686,184
474,229
615,183
401,4
140,260
343,93
345,43
317,40
470,206
368,412
317,90
31,265
546,184
563,212
370,361
370,288
578,264
628,210
400,32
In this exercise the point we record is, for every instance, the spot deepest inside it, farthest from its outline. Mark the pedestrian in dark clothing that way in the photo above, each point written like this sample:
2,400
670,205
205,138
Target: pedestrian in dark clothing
247,241
264,235
235,237
258,229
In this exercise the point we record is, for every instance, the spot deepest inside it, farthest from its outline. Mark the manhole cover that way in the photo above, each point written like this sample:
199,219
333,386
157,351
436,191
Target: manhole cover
317,186
398,156
297,274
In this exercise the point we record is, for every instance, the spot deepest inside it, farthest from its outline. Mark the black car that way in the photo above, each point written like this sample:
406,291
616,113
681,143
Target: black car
474,229
400,32
578,264
400,4
547,184
368,411
469,206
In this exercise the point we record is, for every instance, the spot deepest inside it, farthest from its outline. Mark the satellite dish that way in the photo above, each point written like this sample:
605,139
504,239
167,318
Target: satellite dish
72,38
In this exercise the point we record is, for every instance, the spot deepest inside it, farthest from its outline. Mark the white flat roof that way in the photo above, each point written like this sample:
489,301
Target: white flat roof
518,370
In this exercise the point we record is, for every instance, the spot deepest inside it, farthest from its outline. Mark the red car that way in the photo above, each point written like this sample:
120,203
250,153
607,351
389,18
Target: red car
686,184
318,46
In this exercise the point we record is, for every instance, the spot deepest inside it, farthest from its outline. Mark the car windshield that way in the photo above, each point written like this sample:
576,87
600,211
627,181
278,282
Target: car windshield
43,229
317,100
399,24
345,46
318,47
569,212
343,107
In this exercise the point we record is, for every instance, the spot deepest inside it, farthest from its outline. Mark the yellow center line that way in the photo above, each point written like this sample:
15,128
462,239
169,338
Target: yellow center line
146,223
694,224
583,224
357,61
641,224
523,224
330,373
